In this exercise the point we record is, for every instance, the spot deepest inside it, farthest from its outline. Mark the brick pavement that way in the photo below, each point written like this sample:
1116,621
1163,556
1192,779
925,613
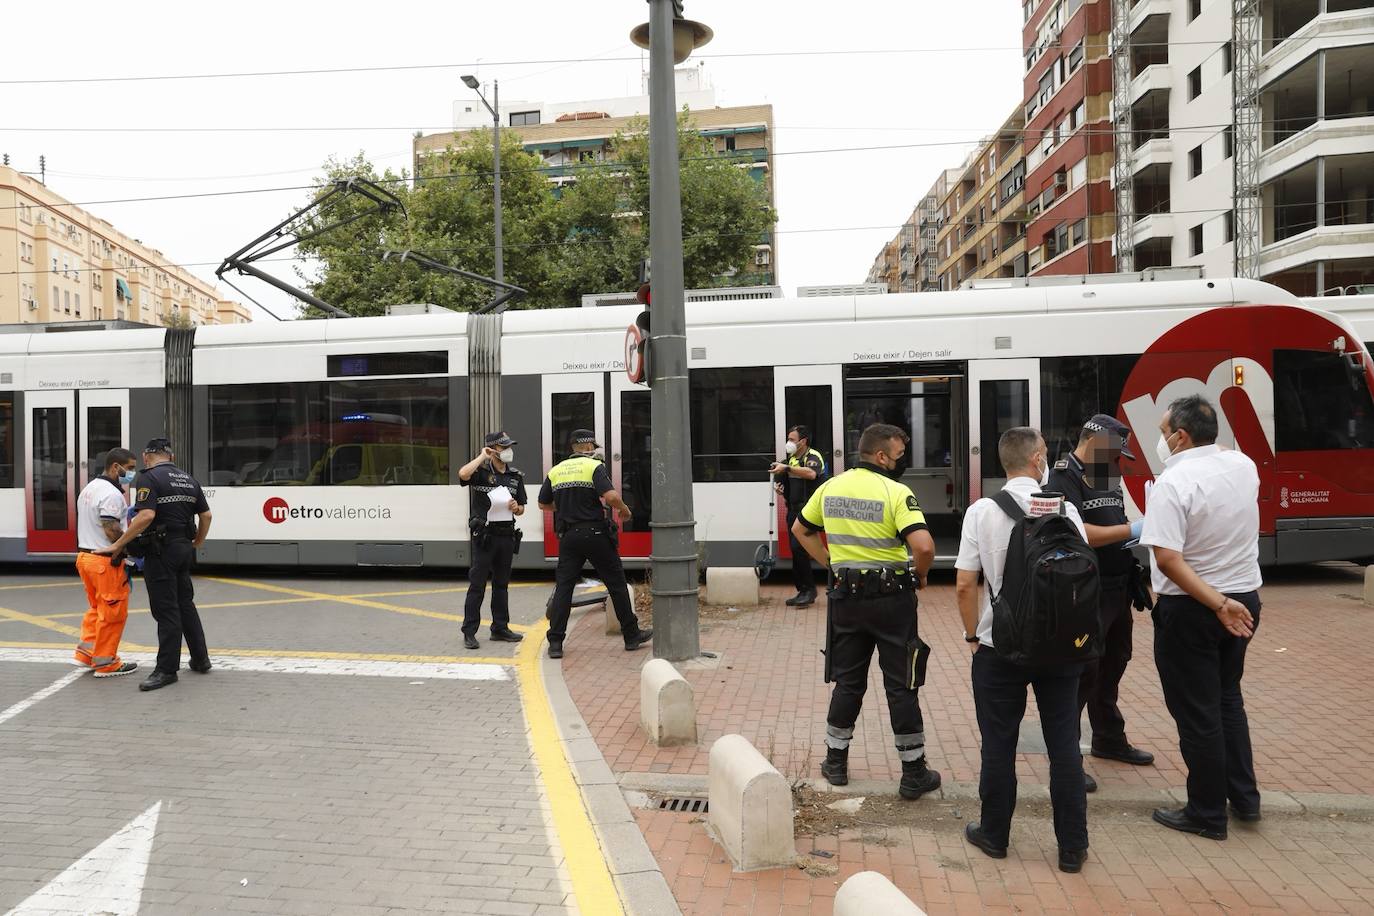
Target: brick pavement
1306,687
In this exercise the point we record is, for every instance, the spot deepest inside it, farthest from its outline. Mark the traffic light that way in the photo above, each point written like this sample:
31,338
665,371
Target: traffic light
642,323
642,293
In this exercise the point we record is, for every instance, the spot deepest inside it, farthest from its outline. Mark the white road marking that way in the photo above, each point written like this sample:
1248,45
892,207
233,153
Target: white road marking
46,692
107,880
449,671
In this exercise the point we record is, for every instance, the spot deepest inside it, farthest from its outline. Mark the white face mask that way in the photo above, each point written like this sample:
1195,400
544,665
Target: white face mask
1045,474
790,447
1162,449
506,455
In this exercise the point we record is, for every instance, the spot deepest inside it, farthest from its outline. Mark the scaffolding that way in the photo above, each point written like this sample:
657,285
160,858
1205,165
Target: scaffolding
1122,171
1246,37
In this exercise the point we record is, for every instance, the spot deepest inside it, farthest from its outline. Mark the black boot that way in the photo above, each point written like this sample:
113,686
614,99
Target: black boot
835,767
917,779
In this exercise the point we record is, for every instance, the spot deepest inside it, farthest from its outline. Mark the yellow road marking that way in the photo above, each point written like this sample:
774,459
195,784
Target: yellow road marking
592,883
199,605
351,599
304,653
68,583
43,622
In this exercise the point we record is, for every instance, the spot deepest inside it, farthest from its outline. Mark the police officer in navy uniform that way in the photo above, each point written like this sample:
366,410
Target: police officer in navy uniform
574,491
172,510
798,478
495,535
1088,477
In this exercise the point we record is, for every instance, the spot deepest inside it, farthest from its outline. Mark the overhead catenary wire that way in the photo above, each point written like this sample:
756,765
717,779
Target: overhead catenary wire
724,55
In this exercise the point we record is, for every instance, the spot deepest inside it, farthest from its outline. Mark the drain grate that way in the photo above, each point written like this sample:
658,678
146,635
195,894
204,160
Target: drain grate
690,805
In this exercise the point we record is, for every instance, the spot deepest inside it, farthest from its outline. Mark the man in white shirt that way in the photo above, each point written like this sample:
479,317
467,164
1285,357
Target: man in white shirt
1202,525
999,686
100,511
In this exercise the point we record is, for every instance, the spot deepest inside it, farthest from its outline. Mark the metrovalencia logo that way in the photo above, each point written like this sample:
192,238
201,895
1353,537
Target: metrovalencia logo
277,510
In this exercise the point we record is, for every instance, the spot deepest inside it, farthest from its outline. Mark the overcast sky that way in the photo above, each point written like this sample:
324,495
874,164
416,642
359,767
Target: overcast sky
933,101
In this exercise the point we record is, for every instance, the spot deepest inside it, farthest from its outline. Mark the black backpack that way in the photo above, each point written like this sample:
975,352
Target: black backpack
1047,611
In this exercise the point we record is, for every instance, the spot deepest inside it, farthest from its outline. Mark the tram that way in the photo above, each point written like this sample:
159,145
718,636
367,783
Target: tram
336,442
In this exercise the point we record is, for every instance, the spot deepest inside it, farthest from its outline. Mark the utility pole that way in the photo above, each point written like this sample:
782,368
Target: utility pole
670,39
495,108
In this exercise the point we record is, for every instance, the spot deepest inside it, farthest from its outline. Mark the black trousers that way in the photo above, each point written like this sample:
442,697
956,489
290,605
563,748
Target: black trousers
1200,668
857,627
1100,684
491,560
802,575
172,600
576,548
999,696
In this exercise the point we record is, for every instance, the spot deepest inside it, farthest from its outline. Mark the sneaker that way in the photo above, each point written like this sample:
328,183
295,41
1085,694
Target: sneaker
120,669
917,779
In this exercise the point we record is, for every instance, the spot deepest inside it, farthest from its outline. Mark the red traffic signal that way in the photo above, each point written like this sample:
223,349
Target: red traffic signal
642,294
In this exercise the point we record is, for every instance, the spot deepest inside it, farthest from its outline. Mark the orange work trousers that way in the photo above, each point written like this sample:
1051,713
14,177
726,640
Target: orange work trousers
107,599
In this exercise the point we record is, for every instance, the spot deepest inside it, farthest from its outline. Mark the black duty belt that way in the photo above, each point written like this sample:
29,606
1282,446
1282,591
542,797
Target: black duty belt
592,523
856,584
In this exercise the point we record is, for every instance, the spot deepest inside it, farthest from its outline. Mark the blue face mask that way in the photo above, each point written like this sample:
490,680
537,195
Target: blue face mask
127,477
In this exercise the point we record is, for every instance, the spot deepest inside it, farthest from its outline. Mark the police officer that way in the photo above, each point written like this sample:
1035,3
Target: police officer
798,478
871,521
1089,479
172,510
574,491
498,499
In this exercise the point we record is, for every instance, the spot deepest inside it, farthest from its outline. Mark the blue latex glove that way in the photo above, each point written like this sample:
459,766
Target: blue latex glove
1136,527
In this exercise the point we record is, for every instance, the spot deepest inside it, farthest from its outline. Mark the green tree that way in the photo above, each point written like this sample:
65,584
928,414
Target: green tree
588,238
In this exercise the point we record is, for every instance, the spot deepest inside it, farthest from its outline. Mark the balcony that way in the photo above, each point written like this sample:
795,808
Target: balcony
1153,226
1154,78
1341,137
1298,32
1319,211
1156,152
1327,243
1142,10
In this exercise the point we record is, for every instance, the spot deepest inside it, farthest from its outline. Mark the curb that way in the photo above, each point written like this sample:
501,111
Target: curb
1286,804
638,877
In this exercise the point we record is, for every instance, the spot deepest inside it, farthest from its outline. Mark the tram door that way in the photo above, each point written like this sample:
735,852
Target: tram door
1002,393
807,396
66,434
618,412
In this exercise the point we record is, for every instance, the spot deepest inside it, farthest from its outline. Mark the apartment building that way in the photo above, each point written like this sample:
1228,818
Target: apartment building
983,210
1070,211
61,263
1312,157
886,267
570,135
1175,165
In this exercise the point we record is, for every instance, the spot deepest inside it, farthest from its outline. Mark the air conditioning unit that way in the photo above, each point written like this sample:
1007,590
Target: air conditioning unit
33,304
1061,180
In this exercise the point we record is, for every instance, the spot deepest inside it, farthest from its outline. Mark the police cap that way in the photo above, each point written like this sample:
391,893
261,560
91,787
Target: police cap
501,439
159,446
583,437
1103,423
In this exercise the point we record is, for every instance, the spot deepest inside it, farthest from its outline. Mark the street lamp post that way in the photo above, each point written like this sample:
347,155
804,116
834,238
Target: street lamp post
495,109
670,39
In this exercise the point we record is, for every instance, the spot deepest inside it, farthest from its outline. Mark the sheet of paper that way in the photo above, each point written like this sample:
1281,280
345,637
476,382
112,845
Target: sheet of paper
499,512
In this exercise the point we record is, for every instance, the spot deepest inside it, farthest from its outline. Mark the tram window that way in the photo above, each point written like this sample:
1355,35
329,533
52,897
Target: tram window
637,458
921,408
1005,404
104,431
374,432
810,406
1072,389
570,410
1321,402
732,424
7,436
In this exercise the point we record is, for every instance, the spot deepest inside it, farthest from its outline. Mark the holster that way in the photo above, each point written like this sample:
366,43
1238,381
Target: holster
516,538
917,658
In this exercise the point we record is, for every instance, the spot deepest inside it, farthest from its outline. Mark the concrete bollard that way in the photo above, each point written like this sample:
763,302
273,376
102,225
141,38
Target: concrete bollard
1369,585
750,806
868,893
733,585
613,622
667,707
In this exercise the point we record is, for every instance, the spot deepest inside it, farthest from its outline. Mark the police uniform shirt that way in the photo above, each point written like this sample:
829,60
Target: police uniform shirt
486,478
800,490
866,517
574,487
1097,507
174,495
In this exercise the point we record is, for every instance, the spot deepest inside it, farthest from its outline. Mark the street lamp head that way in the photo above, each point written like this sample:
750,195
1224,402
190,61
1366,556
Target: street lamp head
470,81
688,35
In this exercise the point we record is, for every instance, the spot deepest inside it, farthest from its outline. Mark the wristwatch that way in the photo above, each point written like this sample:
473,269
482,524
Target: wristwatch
968,638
